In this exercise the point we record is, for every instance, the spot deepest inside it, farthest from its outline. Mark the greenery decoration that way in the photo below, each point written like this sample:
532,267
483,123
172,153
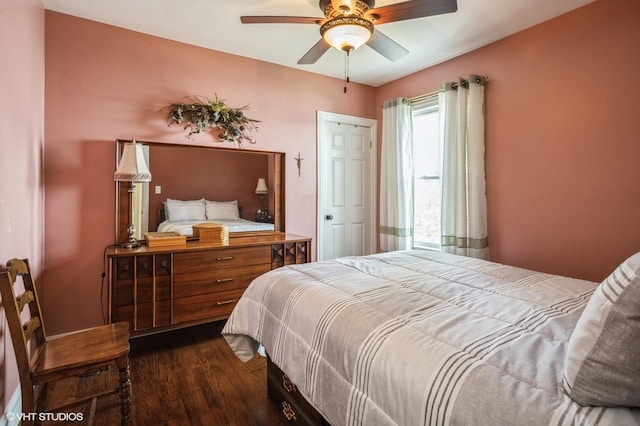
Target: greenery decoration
202,115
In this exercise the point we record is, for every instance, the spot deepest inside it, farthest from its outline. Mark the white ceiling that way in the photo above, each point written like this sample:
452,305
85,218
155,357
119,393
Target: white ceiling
215,24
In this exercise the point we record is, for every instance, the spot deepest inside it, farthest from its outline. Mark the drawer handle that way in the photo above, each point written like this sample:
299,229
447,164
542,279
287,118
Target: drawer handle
225,280
287,384
225,258
288,411
227,302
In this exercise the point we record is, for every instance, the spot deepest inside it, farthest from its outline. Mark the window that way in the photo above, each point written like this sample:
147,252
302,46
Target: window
427,163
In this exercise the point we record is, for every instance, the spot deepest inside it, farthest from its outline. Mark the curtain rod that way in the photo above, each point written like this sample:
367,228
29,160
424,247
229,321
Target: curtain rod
423,96
429,94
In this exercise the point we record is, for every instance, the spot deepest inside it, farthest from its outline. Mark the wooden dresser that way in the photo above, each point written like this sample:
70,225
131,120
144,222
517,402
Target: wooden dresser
162,288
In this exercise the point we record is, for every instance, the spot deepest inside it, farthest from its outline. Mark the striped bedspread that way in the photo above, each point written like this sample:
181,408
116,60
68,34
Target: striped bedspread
420,338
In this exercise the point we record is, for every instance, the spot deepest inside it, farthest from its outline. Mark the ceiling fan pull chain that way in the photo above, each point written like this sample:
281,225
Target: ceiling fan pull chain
346,69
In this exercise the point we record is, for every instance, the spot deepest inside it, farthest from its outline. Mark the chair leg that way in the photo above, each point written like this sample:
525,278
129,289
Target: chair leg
41,402
29,399
125,389
92,411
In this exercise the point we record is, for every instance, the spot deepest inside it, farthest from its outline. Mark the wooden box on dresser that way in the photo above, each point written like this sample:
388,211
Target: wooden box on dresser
162,288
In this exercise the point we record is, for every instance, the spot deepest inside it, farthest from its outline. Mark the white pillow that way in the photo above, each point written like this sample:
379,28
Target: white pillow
222,210
186,210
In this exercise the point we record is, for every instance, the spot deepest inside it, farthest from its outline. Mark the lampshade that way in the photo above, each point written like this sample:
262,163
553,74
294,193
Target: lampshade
133,166
347,32
261,188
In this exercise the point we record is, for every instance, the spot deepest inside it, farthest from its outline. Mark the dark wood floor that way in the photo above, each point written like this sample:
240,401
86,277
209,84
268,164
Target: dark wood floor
190,377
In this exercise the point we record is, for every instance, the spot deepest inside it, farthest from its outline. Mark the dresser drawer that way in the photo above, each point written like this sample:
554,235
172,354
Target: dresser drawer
205,260
215,280
210,305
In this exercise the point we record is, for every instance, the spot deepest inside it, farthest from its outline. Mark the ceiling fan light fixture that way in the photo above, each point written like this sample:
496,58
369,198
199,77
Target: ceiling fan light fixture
347,32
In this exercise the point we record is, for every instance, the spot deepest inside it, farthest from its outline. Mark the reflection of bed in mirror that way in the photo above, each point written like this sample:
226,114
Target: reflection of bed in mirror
233,225
182,215
182,172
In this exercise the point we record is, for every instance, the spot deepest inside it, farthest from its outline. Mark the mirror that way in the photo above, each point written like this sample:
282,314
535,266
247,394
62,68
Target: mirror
194,172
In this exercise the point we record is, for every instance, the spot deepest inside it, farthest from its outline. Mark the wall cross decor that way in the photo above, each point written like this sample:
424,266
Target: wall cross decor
298,162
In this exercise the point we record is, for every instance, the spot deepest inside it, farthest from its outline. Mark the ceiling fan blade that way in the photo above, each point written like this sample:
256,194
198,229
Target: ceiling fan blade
412,9
386,47
280,20
315,53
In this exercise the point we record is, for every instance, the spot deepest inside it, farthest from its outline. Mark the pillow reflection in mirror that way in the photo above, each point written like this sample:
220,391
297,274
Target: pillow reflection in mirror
177,210
222,210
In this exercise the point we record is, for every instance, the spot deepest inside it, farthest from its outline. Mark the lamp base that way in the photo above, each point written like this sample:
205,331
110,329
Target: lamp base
130,244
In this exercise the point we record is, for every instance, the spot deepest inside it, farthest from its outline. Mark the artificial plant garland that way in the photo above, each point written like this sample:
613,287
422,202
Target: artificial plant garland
203,115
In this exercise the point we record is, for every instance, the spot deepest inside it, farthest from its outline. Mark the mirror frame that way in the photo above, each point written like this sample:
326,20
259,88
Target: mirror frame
275,180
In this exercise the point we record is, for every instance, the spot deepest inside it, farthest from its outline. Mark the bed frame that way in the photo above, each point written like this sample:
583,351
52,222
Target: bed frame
291,404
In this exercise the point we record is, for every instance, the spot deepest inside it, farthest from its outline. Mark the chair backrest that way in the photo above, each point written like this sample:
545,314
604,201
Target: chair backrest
26,336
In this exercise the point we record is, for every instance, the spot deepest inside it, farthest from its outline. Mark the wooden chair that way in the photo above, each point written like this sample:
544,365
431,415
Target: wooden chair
42,361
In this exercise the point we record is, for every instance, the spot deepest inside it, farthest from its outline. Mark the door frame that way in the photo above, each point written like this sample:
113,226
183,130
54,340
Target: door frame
371,190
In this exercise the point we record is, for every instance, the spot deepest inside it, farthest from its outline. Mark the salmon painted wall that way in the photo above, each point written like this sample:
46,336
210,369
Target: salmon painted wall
21,145
104,83
563,181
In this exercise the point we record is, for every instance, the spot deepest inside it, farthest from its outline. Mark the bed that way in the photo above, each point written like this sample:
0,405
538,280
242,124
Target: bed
181,215
185,227
427,338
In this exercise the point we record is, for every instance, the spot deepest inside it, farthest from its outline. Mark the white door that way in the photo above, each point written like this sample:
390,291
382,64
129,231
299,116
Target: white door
346,185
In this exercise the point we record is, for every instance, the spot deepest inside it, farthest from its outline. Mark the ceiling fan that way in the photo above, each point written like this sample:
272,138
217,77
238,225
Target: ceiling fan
349,24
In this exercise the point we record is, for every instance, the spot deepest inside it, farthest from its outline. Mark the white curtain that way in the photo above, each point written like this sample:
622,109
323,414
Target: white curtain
396,188
464,203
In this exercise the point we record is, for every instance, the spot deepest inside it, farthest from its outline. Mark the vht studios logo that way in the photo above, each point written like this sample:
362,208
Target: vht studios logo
46,417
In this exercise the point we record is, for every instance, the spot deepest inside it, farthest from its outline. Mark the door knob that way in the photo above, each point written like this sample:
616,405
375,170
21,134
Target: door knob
329,217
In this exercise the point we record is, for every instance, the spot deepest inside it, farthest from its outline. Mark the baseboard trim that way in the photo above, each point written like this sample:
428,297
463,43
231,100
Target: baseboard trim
14,407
